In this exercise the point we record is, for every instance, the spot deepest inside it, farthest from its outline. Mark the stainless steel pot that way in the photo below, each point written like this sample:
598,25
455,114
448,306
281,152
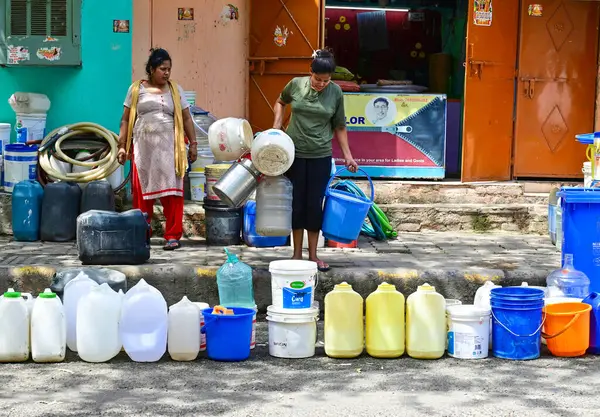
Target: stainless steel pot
236,185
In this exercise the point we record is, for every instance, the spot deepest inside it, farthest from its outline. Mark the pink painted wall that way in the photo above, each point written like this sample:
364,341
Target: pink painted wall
209,53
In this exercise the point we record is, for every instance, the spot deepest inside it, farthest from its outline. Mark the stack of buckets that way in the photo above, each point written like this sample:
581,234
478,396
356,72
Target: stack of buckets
520,319
294,314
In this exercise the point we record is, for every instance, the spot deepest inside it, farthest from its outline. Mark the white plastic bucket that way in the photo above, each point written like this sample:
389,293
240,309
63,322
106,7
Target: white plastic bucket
450,303
273,152
20,163
230,138
30,127
202,162
197,185
292,334
201,307
293,284
587,174
469,332
190,96
4,136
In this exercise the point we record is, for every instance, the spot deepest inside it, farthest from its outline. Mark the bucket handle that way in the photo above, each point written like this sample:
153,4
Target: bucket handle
519,335
208,325
567,327
359,169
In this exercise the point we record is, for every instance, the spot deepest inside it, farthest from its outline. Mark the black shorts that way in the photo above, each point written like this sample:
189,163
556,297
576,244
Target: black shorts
309,178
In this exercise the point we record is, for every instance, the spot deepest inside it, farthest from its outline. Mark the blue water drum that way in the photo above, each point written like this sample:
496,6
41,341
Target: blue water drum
27,210
594,300
517,320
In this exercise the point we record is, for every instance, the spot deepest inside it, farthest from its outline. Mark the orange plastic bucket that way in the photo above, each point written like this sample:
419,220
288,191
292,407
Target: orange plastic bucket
567,328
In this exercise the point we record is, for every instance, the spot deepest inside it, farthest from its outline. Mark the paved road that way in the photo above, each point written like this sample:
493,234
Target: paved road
320,386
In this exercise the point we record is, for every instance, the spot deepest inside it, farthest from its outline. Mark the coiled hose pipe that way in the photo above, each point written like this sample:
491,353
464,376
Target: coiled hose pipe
100,169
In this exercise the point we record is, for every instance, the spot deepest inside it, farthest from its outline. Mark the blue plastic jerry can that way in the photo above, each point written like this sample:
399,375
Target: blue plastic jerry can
594,300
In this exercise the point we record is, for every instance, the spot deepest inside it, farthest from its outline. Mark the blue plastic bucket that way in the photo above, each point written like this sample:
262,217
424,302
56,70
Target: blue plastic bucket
518,294
581,233
228,337
516,330
344,212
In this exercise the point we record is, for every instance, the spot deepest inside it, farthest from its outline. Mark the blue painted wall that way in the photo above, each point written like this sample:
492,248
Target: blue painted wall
93,92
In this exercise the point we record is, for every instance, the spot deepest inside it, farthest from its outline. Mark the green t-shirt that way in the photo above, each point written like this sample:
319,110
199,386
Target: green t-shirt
315,116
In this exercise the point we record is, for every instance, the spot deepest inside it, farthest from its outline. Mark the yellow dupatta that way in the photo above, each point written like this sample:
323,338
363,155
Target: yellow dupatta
181,161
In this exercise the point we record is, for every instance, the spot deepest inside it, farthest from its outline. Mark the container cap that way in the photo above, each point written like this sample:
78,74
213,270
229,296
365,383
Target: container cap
12,294
344,286
426,287
292,265
47,294
386,287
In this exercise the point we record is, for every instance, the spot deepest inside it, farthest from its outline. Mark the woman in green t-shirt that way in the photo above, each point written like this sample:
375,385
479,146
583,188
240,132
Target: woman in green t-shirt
317,115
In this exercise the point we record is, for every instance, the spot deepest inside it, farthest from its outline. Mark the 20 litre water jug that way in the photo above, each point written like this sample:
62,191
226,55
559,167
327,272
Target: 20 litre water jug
98,195
274,206
144,323
98,315
568,281
184,331
425,323
27,210
75,290
343,322
14,328
234,280
385,322
60,208
48,329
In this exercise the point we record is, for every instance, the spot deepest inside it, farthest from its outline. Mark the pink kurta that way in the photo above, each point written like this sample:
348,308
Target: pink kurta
154,143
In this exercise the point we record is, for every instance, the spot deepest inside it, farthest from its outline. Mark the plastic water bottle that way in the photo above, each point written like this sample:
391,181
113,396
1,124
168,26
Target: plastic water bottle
48,329
14,327
568,281
234,280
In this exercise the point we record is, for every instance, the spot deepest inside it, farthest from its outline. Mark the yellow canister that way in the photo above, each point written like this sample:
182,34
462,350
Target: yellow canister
385,322
426,323
344,336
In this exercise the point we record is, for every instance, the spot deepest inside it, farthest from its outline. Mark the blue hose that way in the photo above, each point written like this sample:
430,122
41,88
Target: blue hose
373,228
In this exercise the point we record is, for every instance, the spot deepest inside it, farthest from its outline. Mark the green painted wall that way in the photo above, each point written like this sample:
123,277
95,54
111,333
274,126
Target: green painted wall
93,92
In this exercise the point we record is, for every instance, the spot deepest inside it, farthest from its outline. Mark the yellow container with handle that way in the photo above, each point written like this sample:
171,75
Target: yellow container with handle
426,323
344,335
385,336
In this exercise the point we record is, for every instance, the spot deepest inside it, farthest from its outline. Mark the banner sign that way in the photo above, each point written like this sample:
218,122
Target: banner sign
396,135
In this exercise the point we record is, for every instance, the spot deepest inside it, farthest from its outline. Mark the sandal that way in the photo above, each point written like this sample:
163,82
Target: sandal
322,266
172,244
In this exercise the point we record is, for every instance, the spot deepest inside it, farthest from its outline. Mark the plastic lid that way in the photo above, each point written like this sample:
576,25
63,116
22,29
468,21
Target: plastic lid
12,294
386,287
292,265
310,312
344,286
467,310
426,287
47,294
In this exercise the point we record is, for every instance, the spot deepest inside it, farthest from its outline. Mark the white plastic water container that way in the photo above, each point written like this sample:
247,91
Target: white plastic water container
292,334
20,163
201,306
190,96
144,323
204,159
74,291
98,315
59,166
29,103
230,138
320,241
30,127
469,332
4,136
293,284
48,329
184,332
14,328
273,152
197,186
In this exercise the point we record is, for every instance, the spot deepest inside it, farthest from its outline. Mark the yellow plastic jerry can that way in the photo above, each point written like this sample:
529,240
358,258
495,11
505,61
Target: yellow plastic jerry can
344,336
425,323
385,322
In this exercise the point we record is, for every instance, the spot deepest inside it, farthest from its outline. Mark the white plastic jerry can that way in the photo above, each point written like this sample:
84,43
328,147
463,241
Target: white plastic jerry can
74,291
98,314
48,329
14,328
184,331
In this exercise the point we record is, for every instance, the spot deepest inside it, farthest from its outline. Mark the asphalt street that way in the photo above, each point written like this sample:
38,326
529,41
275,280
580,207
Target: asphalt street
320,386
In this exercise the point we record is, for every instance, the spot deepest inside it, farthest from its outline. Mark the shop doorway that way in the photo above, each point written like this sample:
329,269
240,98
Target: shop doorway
556,87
